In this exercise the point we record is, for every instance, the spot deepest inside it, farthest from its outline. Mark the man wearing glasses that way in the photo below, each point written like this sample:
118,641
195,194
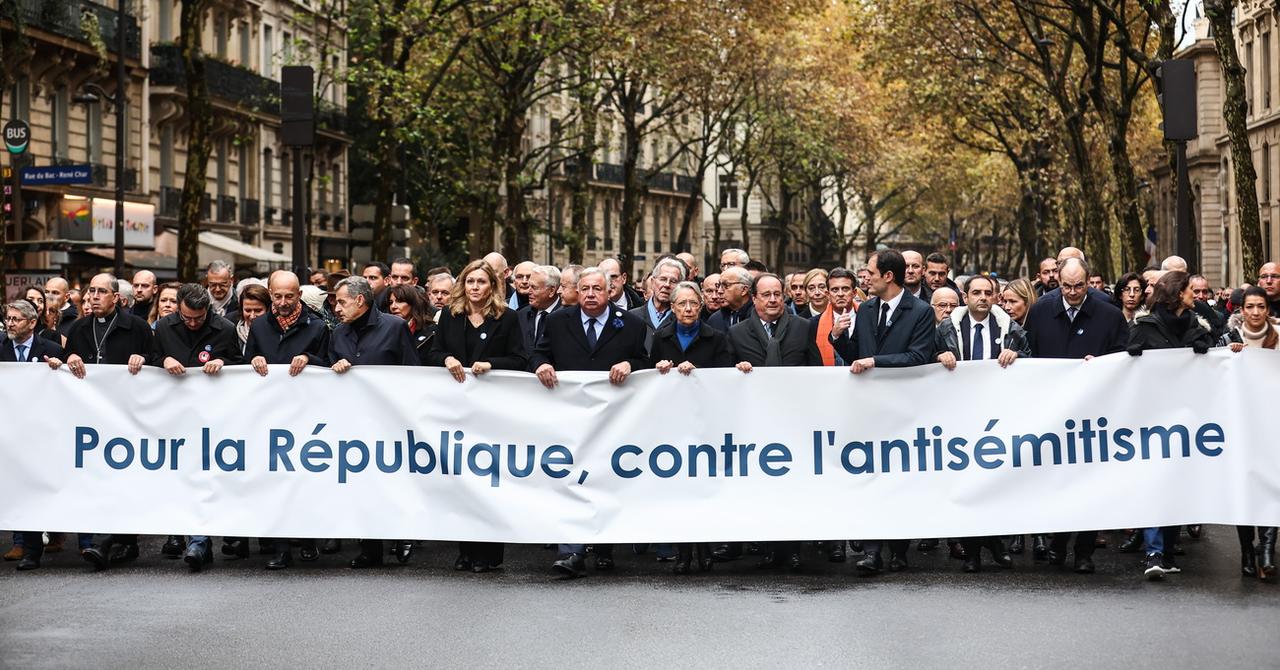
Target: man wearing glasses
1269,280
108,335
195,337
735,284
656,312
733,258
22,346
1076,325
220,281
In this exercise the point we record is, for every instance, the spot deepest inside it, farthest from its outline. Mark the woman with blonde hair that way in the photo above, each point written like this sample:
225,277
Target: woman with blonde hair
1017,298
476,331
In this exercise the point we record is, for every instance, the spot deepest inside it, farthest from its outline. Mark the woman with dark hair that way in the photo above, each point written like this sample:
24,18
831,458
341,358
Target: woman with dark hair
1171,324
1128,295
408,303
254,302
477,332
685,344
36,296
1253,328
166,302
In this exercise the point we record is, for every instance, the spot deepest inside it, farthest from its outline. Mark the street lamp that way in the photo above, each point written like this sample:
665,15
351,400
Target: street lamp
94,94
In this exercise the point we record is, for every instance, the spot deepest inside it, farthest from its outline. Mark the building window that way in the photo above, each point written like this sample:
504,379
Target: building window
268,52
20,99
93,132
337,207
728,191
608,223
164,20
1266,70
323,200
334,79
58,123
657,227
221,28
1264,175
1250,82
268,183
166,155
287,47
221,171
286,183
242,171
246,45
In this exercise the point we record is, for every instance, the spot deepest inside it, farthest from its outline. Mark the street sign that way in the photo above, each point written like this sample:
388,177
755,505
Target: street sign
17,134
57,174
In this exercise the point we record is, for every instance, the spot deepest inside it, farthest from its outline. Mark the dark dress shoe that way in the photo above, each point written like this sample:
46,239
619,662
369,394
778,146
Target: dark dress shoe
869,565
197,556
1248,561
28,563
462,564
794,564
173,546
682,566
897,562
123,553
1016,544
280,562
480,568
403,551
363,560
1196,531
957,551
1003,559
604,562
331,546
1039,549
928,545
236,548
308,554
94,556
768,561
726,552
855,546
973,564
836,553
1084,566
1100,542
1054,558
570,566
1132,543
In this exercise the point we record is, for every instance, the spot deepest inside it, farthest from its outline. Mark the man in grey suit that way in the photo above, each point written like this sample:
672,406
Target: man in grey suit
772,337
656,311
894,329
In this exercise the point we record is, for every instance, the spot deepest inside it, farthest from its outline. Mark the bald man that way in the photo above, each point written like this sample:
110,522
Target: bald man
620,293
913,279
144,290
55,291
520,282
691,266
1269,280
1174,264
944,301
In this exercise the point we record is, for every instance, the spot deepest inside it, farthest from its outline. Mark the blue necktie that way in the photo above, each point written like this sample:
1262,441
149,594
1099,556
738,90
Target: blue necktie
591,333
977,343
22,353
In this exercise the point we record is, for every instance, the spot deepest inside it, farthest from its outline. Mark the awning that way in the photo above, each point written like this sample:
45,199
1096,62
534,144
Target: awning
244,251
140,260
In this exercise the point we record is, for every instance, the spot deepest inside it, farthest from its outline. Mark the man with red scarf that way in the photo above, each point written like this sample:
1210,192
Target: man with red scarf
831,332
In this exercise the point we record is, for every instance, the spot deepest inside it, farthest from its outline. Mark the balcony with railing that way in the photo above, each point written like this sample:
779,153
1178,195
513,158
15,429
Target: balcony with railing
66,18
225,81
227,209
249,212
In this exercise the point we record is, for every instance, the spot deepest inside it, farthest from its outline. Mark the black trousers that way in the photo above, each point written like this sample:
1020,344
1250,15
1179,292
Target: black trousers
895,546
1084,546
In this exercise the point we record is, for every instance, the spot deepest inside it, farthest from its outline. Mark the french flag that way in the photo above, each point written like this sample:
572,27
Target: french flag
1150,244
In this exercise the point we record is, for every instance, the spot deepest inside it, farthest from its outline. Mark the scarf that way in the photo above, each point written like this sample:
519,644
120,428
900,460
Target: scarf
242,329
686,335
220,306
286,322
825,323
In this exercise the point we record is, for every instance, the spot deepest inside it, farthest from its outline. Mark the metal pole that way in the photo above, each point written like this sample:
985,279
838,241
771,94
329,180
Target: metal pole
299,217
122,140
1185,234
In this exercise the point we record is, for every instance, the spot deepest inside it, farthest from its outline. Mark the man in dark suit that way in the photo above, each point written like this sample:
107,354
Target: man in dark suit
289,335
112,336
544,298
368,337
735,284
913,279
1076,325
594,335
656,311
892,330
22,346
620,292
771,337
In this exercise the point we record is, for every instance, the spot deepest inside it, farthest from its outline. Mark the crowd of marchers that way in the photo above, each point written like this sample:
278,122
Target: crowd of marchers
901,309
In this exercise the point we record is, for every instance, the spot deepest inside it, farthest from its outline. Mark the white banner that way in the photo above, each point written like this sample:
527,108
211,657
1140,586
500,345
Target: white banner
777,454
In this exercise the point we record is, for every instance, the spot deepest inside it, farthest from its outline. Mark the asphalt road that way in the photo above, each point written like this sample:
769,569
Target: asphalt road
154,614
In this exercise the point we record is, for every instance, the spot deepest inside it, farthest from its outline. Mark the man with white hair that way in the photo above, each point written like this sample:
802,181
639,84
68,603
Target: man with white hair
733,258
520,282
220,282
439,288
656,311
125,296
544,298
1174,264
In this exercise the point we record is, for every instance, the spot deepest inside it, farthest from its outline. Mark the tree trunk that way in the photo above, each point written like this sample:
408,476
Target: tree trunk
516,239
199,144
580,180
1235,109
634,186
389,170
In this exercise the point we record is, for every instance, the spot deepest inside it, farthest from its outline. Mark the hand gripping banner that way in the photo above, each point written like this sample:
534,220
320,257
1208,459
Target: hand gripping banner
777,454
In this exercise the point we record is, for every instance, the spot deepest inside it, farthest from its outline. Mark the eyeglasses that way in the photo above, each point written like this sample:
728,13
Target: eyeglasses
16,319
1268,277
946,305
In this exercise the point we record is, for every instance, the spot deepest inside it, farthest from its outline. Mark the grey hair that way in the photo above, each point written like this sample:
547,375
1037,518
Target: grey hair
219,266
25,308
357,286
692,286
735,275
551,272
743,257
669,261
590,272
1066,261
125,290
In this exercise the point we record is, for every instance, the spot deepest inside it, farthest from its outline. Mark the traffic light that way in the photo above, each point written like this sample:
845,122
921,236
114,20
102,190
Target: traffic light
1176,89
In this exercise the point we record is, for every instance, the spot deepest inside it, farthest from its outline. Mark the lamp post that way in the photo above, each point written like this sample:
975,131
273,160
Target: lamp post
95,93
